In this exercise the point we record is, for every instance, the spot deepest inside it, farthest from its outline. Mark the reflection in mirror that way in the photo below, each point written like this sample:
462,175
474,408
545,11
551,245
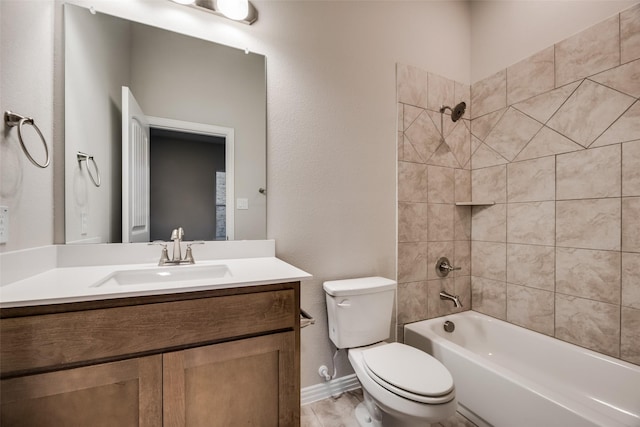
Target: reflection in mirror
211,92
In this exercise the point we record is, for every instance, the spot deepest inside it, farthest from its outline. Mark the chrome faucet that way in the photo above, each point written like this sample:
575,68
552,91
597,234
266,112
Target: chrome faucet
176,235
447,296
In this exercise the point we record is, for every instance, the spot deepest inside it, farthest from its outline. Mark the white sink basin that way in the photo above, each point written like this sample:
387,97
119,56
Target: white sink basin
174,274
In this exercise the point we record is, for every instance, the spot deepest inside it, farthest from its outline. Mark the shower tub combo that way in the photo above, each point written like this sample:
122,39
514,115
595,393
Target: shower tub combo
509,376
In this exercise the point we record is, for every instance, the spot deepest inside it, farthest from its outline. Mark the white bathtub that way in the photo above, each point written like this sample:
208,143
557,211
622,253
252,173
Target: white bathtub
508,376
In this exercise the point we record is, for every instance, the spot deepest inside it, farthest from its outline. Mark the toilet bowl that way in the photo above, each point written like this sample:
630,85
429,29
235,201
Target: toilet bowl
402,386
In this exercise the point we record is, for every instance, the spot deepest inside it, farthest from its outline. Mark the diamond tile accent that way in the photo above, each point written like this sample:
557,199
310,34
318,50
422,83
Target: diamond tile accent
547,143
448,124
588,112
626,128
460,143
484,157
481,126
475,144
512,133
625,78
410,114
424,136
409,153
543,106
444,157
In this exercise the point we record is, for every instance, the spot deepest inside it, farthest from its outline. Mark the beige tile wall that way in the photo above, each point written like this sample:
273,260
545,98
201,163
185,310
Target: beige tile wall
432,175
555,142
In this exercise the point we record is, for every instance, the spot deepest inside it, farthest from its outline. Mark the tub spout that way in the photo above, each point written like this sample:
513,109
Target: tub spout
455,298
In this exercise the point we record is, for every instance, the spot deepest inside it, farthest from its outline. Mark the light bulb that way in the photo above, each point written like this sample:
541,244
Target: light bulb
234,9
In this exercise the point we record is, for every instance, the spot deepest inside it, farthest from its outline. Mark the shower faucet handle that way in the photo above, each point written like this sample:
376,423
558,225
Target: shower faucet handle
444,267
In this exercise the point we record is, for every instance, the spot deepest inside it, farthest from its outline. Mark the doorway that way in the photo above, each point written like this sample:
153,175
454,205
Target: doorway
187,185
191,180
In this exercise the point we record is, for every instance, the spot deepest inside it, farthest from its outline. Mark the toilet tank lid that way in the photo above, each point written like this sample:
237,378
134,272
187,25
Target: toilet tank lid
359,286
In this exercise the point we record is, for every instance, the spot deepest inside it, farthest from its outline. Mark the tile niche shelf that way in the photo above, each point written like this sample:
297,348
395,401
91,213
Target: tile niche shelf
478,203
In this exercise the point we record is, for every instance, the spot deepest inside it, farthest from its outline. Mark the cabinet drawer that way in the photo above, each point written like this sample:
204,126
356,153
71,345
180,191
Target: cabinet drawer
35,343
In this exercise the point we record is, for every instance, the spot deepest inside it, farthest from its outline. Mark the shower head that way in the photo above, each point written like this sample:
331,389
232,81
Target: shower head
456,112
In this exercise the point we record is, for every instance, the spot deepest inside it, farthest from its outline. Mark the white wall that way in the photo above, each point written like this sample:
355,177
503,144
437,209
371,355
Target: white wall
505,32
97,65
26,87
331,112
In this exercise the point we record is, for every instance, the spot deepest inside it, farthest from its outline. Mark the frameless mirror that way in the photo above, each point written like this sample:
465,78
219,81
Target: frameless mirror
172,127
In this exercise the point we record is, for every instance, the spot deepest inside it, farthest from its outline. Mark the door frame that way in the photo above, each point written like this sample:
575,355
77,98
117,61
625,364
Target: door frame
212,130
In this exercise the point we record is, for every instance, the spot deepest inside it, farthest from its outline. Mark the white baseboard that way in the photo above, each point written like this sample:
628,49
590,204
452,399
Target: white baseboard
331,388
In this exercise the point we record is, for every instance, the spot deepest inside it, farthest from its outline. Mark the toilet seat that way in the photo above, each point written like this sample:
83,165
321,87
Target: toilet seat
409,373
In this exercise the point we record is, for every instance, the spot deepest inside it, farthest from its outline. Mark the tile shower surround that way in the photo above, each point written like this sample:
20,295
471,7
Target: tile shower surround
554,140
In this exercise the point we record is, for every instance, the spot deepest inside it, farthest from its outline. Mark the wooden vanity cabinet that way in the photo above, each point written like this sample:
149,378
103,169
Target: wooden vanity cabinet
213,358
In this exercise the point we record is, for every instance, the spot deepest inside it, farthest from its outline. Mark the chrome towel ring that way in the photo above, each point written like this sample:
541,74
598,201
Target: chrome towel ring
85,157
12,120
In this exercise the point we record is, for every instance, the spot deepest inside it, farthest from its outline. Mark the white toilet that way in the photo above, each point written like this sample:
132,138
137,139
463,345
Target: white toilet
402,385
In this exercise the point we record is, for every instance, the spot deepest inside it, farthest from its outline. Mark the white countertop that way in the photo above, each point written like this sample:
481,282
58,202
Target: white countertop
73,284
64,274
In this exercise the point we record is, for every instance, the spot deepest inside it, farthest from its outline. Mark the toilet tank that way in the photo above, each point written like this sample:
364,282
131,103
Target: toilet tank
359,310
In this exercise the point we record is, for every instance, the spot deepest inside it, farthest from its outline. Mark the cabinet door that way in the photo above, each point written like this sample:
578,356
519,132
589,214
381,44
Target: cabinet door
124,393
249,382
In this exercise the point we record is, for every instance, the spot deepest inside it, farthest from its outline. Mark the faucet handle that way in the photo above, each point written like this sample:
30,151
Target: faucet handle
188,256
164,256
444,267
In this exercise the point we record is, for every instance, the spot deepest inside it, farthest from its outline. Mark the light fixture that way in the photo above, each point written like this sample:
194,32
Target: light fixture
234,9
238,10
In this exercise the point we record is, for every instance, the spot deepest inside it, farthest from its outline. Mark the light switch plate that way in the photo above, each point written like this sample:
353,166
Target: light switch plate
4,224
242,204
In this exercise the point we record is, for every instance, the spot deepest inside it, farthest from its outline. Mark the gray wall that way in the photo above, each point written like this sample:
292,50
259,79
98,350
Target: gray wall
183,190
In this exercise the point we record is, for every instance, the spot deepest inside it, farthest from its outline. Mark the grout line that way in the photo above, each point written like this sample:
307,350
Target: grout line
621,234
619,39
555,244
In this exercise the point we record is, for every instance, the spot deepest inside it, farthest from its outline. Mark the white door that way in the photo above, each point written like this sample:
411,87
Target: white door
135,171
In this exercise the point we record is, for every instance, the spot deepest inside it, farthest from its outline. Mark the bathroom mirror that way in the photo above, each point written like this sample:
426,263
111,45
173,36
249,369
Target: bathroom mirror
200,98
